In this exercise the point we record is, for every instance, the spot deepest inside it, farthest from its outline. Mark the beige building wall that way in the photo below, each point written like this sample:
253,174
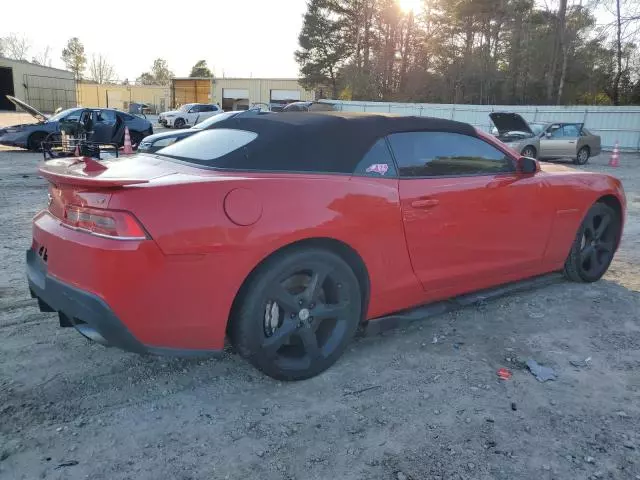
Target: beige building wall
44,88
259,88
119,96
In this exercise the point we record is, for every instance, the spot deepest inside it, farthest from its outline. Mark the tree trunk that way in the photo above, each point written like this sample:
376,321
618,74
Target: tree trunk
406,51
618,77
557,49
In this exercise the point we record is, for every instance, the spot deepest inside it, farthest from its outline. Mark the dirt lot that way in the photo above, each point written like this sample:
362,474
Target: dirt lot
418,403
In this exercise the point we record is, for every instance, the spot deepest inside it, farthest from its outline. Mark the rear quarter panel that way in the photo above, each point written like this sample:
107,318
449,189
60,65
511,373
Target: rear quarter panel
211,256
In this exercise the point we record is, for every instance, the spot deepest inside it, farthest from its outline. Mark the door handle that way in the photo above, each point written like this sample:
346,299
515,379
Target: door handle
425,203
572,141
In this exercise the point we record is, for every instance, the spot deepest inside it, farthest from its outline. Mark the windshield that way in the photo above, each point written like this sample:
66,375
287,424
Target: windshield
59,116
213,120
537,128
185,108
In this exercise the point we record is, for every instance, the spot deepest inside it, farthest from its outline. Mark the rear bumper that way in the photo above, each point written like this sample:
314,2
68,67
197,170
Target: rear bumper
88,313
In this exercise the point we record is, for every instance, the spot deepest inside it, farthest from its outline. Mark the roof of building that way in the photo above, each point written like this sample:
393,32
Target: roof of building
34,64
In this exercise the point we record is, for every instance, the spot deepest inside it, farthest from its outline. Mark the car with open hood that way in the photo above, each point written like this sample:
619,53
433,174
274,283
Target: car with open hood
514,131
103,125
285,233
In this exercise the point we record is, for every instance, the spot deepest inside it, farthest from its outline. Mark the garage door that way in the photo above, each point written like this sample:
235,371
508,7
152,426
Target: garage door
285,95
235,93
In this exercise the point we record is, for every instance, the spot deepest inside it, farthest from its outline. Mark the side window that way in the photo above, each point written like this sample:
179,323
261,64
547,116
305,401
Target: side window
195,109
73,116
105,116
571,131
443,154
556,131
377,162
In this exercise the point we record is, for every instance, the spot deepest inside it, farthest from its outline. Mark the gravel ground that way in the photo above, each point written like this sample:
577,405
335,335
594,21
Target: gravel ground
422,402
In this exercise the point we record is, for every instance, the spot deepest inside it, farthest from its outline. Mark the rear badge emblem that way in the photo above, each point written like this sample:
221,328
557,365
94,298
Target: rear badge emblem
380,168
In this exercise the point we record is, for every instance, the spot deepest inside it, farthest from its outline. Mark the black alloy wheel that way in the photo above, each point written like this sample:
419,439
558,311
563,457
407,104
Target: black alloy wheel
299,313
594,245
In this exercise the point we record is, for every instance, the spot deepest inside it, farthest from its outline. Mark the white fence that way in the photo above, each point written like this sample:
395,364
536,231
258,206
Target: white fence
613,124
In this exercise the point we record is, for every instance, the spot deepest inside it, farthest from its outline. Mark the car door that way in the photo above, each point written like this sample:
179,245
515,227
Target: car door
104,124
570,135
470,219
192,115
551,140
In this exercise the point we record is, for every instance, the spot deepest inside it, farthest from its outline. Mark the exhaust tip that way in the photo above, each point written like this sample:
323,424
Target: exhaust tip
91,333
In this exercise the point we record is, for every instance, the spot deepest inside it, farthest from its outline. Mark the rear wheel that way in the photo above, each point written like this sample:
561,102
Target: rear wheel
179,123
35,141
298,314
583,156
595,243
529,151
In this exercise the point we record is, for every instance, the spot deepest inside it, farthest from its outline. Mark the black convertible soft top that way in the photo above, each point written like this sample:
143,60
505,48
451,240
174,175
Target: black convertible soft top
325,142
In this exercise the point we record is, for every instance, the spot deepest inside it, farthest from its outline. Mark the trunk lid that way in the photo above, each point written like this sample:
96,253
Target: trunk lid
41,117
90,173
509,122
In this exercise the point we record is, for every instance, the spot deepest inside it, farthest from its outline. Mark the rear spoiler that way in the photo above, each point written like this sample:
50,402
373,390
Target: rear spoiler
70,172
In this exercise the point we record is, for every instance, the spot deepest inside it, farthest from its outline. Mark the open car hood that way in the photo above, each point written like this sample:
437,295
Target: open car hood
509,122
41,117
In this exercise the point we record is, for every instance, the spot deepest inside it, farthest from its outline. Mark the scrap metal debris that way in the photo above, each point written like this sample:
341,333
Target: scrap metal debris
541,373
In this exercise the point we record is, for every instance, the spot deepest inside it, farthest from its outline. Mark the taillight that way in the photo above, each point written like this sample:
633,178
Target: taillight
106,223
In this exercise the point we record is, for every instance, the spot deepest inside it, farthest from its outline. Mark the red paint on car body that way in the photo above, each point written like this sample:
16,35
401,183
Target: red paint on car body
420,239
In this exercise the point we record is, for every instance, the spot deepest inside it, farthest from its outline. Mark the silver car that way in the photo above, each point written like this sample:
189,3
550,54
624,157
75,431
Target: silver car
566,140
513,130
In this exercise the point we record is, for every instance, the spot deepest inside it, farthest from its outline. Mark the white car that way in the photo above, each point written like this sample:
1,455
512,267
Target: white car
188,115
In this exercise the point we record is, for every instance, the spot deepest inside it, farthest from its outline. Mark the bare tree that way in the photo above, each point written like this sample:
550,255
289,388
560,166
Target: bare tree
43,58
16,46
100,70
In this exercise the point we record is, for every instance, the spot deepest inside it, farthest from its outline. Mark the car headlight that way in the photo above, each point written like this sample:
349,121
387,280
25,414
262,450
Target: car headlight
12,130
170,116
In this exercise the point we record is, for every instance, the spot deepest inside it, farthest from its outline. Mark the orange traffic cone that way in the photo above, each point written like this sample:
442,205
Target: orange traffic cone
127,142
615,157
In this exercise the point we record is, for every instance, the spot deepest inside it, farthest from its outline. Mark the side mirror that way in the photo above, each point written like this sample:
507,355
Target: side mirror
528,165
547,134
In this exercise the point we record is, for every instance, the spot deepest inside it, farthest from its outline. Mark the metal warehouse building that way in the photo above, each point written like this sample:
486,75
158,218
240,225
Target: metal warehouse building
238,93
44,88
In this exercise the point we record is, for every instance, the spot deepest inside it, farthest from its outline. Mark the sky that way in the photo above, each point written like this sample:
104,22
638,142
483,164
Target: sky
237,38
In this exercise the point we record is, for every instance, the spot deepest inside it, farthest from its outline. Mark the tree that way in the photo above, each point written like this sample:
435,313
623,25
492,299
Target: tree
200,69
100,70
1,47
43,58
74,57
146,78
324,46
16,46
161,72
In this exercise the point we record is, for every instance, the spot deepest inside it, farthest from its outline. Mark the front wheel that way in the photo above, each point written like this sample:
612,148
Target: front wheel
298,314
35,141
529,151
179,123
583,156
594,245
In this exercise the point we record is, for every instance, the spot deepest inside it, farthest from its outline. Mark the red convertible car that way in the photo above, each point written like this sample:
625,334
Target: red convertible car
286,232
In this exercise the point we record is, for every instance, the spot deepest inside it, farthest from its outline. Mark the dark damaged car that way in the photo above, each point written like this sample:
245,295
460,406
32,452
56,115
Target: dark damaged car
103,124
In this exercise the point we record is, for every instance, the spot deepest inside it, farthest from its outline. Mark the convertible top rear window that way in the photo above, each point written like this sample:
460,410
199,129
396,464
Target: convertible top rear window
207,146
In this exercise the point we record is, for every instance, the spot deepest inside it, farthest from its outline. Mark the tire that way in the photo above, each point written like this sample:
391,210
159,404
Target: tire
179,123
34,143
529,151
594,245
290,323
583,156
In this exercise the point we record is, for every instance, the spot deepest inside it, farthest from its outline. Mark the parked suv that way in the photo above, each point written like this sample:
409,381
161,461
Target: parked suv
188,115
